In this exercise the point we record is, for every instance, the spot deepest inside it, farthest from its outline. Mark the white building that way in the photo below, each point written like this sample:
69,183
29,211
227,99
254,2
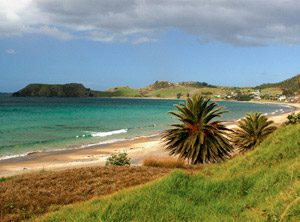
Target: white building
282,98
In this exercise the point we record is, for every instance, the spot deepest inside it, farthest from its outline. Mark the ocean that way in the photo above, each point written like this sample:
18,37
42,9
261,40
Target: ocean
39,124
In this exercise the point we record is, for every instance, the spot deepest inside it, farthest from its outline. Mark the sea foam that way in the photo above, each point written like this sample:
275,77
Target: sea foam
109,133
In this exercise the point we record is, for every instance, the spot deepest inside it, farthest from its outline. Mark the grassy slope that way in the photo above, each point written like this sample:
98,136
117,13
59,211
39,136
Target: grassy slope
255,187
125,91
290,84
272,91
172,92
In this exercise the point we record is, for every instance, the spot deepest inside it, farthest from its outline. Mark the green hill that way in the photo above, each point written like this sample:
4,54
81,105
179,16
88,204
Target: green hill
165,89
292,84
262,185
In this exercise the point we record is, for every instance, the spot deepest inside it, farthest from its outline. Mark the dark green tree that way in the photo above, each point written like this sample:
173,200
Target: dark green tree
198,137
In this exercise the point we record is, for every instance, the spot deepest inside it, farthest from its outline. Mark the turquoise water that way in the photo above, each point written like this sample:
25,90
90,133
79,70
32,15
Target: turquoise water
36,124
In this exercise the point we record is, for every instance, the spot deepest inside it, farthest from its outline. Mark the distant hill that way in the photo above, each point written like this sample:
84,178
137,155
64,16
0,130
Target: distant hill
47,90
290,85
163,89
166,84
73,90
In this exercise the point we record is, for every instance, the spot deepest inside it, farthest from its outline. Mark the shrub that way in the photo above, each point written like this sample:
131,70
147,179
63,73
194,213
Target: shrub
293,119
179,95
206,93
243,97
164,162
120,159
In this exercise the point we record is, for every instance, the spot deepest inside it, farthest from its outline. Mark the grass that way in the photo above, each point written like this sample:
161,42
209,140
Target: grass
172,92
29,195
262,185
125,91
164,163
272,91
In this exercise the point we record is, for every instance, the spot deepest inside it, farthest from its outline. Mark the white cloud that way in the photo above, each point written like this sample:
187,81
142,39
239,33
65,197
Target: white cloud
245,22
49,31
10,51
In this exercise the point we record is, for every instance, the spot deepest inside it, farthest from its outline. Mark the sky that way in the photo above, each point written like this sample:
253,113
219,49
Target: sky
108,43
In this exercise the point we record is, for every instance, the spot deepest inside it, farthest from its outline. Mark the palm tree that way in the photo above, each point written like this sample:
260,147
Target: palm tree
252,130
198,137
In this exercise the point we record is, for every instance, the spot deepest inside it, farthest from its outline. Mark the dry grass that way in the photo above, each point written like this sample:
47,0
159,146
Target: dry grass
28,195
164,163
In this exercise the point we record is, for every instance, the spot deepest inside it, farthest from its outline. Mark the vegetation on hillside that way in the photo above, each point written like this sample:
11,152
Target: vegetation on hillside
47,90
198,137
251,131
293,118
124,92
290,85
262,185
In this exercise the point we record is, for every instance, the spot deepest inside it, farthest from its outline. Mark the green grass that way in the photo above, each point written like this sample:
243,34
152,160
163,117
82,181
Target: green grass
172,92
257,186
272,91
125,91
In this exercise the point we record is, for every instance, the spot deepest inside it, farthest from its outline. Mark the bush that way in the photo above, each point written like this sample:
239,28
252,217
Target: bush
243,97
164,163
293,119
206,93
179,95
120,159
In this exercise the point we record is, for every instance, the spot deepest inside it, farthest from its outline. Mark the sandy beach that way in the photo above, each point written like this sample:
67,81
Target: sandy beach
138,149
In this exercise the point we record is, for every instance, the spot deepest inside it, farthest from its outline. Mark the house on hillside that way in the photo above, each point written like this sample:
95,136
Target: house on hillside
282,98
256,95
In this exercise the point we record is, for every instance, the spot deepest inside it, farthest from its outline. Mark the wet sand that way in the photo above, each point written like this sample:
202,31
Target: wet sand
137,149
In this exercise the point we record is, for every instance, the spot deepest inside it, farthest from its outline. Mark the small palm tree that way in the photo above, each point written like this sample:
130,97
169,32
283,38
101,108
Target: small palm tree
252,130
198,137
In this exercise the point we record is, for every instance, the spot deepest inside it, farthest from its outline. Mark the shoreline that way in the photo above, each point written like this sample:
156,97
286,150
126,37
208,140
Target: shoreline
137,149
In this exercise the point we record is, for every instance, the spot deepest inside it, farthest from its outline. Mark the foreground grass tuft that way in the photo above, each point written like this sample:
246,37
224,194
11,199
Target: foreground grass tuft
262,185
165,162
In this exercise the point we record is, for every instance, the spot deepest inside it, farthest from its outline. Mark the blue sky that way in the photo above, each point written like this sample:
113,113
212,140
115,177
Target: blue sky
112,54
